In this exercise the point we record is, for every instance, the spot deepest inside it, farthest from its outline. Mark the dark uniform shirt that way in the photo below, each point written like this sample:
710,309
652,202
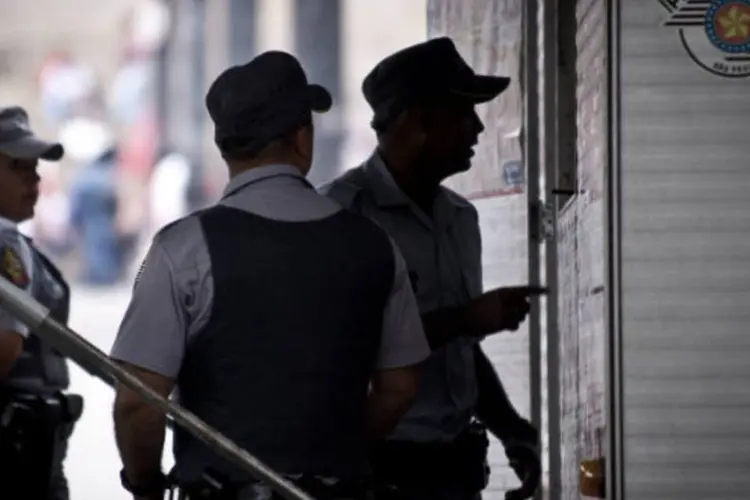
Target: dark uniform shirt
443,255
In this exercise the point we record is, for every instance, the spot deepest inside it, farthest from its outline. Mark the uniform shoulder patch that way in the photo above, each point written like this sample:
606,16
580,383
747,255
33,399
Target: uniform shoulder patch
12,267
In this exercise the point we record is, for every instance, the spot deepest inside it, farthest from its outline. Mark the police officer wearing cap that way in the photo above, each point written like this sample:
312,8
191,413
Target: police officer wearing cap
36,418
423,98
270,313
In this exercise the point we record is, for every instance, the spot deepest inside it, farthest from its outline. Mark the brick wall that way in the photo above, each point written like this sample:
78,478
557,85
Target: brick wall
581,265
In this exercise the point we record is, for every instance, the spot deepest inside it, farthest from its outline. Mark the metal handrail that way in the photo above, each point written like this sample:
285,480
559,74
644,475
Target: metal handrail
95,362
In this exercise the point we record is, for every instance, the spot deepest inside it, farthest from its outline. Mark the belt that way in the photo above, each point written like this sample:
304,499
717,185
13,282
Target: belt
210,487
67,408
399,461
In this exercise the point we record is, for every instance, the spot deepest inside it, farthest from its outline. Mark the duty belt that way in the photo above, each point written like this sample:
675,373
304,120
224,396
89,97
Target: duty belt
212,486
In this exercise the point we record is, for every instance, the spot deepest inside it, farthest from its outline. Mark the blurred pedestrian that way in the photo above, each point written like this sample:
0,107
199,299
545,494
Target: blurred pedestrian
94,208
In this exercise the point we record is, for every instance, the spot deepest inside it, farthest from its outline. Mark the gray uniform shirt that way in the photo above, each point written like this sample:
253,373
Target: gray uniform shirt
17,261
173,294
443,254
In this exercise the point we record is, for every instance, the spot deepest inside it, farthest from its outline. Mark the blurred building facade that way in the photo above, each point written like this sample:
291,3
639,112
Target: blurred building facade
142,67
337,41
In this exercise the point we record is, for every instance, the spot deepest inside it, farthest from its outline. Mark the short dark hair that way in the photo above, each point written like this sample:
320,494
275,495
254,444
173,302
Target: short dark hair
425,103
235,148
381,126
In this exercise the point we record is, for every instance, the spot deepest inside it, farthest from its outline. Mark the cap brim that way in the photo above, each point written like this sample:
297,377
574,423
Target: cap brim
33,148
481,88
320,99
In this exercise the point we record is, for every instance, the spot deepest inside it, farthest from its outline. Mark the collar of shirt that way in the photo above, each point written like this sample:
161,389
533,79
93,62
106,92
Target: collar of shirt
383,187
386,193
261,175
7,224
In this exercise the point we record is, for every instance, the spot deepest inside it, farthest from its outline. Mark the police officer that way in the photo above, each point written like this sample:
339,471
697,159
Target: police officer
423,99
271,312
36,419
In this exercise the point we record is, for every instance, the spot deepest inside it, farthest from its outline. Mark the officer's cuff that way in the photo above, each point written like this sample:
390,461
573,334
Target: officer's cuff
158,483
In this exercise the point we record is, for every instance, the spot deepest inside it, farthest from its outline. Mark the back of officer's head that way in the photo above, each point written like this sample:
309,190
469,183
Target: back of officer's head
423,99
262,112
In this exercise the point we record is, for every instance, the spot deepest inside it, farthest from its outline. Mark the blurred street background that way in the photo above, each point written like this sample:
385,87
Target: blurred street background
121,84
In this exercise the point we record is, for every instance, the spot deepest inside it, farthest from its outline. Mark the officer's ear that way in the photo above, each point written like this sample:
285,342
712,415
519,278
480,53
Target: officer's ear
304,140
412,122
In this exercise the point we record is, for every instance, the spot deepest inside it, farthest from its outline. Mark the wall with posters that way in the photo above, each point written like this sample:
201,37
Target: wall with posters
488,34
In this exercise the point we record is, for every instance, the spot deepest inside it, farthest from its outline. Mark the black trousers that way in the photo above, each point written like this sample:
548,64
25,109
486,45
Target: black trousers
34,435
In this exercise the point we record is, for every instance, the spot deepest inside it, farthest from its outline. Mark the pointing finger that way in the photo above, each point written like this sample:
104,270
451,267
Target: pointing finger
527,290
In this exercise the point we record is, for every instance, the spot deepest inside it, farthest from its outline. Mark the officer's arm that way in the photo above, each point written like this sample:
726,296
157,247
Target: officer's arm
150,344
494,407
140,427
12,331
11,346
403,348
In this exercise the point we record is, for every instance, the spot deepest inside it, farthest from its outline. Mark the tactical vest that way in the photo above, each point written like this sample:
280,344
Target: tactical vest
283,366
39,368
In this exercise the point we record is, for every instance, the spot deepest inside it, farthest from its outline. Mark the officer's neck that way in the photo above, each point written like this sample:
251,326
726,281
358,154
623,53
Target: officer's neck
6,221
240,167
409,175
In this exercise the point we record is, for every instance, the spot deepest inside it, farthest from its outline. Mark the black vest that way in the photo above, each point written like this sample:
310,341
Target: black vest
39,368
284,364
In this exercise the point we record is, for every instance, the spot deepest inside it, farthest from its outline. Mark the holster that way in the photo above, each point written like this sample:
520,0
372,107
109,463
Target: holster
32,429
463,461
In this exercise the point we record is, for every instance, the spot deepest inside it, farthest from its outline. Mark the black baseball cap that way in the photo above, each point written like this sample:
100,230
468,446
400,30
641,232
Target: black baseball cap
19,142
429,70
262,100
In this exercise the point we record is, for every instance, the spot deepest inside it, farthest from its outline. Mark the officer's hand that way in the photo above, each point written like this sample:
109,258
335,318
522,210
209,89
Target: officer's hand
501,309
525,462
